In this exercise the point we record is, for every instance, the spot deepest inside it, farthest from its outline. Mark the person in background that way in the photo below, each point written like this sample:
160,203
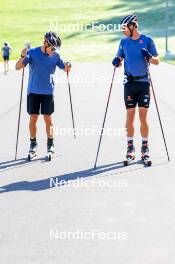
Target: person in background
6,50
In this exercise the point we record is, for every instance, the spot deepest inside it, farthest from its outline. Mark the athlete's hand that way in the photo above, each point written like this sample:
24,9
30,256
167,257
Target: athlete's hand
146,54
67,67
24,53
116,62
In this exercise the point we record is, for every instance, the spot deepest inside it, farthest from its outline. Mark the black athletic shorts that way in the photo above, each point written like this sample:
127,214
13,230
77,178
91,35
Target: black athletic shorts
40,104
6,58
136,92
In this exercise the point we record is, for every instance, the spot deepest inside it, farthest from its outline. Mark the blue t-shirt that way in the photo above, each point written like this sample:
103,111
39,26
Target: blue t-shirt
41,70
6,51
130,51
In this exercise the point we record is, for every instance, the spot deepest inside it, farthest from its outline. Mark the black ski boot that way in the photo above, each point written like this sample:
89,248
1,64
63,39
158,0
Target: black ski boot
130,156
50,149
145,153
33,149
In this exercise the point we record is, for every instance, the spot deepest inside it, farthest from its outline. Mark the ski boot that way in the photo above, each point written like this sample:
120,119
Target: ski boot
33,149
130,156
145,154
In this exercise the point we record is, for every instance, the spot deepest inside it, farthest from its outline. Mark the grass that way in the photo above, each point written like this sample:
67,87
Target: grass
27,21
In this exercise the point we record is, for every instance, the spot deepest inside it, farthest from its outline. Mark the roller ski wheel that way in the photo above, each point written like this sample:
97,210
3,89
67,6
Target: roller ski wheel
128,160
50,150
33,149
146,160
50,156
31,155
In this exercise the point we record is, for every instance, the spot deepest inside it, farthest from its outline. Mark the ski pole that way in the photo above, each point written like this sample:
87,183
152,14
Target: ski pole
19,115
101,134
158,113
70,97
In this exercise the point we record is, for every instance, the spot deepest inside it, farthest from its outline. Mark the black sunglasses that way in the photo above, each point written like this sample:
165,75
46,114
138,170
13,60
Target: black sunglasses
52,48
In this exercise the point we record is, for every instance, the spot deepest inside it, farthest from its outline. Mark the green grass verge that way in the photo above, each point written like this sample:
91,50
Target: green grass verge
27,21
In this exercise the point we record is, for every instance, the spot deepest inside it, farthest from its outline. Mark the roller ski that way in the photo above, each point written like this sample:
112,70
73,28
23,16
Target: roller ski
145,154
130,156
50,149
33,149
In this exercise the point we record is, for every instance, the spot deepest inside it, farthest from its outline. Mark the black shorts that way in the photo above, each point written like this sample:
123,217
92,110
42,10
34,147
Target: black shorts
136,92
40,104
6,58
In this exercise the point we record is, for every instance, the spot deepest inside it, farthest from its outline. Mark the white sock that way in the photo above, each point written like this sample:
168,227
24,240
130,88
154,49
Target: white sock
144,139
130,139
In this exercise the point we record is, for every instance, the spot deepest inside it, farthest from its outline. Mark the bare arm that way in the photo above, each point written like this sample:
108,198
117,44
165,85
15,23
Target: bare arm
19,64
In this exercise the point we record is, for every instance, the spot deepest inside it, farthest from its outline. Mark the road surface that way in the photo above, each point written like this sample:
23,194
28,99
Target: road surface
65,212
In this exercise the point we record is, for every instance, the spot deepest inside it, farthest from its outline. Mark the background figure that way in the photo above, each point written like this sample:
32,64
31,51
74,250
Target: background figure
6,50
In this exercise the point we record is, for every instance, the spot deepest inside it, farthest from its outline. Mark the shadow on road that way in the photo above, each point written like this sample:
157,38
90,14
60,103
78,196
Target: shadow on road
13,164
45,184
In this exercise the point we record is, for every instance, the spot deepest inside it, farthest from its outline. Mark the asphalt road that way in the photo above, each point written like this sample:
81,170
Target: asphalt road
115,214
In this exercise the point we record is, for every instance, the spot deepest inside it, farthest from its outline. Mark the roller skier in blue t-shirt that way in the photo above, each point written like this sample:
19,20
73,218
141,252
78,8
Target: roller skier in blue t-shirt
137,50
40,100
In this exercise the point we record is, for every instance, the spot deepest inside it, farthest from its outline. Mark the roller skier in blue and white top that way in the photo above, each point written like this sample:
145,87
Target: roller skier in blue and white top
137,50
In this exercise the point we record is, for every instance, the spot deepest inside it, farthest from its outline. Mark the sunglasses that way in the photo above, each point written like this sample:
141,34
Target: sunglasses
50,46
